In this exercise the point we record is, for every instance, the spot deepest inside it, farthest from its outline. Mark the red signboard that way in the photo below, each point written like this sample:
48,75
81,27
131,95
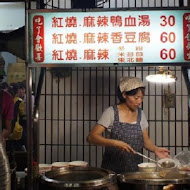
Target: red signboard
186,36
38,38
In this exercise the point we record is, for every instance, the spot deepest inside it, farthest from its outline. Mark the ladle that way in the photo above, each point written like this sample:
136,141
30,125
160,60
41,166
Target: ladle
163,165
147,157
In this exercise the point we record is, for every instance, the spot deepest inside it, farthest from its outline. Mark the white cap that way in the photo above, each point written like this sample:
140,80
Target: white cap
130,83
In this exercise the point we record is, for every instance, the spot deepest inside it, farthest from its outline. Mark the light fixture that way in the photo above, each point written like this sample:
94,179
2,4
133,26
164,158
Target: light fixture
162,76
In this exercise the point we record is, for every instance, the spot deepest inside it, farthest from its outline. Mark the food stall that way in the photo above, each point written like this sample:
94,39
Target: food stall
86,41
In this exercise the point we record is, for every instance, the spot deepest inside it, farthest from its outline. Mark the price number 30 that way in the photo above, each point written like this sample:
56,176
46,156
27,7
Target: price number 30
167,37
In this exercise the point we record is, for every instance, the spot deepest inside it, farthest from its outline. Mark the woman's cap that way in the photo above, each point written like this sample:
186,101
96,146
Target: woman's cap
130,83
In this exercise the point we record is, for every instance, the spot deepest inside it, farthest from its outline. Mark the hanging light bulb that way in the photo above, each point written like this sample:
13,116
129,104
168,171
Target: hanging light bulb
162,76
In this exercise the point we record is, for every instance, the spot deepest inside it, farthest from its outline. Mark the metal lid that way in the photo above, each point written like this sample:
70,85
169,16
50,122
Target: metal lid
154,178
75,177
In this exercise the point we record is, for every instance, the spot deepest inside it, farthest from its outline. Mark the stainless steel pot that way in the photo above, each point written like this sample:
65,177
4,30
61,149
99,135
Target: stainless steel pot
152,181
83,178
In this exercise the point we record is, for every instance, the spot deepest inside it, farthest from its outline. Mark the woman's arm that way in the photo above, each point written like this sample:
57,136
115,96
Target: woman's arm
149,145
95,137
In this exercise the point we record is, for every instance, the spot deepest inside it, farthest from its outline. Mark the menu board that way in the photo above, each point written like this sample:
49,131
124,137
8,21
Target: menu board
118,37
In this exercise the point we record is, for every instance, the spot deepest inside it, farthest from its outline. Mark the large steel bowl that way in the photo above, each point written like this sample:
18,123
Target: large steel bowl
152,181
83,178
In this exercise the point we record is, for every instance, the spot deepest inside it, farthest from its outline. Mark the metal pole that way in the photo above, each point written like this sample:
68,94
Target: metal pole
35,114
29,127
40,4
36,117
188,3
181,3
29,104
187,82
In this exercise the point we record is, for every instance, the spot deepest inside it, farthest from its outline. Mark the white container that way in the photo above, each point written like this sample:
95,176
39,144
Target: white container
147,167
57,165
44,168
166,166
78,163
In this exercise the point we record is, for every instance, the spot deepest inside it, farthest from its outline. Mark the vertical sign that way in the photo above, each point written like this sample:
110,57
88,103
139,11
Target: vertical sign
38,38
186,36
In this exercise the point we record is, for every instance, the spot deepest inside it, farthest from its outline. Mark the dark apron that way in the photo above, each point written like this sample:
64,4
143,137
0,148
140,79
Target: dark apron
121,161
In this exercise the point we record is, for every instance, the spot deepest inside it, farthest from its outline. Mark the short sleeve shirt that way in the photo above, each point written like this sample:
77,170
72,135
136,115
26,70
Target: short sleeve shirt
7,106
107,119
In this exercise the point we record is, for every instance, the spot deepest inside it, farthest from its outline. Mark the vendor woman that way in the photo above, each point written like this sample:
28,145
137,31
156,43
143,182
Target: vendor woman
128,126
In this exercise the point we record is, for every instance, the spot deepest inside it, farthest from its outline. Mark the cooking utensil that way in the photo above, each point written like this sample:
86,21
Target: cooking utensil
147,157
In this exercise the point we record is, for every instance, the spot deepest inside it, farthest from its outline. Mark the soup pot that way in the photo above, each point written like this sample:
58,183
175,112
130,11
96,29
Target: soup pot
152,181
80,178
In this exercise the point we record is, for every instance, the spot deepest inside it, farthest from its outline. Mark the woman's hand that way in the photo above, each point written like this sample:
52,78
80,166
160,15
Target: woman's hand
162,152
123,146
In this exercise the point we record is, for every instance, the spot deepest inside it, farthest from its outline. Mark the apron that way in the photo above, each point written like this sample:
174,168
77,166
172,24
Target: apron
121,161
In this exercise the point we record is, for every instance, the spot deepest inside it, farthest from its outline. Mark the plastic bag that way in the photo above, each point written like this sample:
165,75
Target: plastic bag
17,132
183,160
